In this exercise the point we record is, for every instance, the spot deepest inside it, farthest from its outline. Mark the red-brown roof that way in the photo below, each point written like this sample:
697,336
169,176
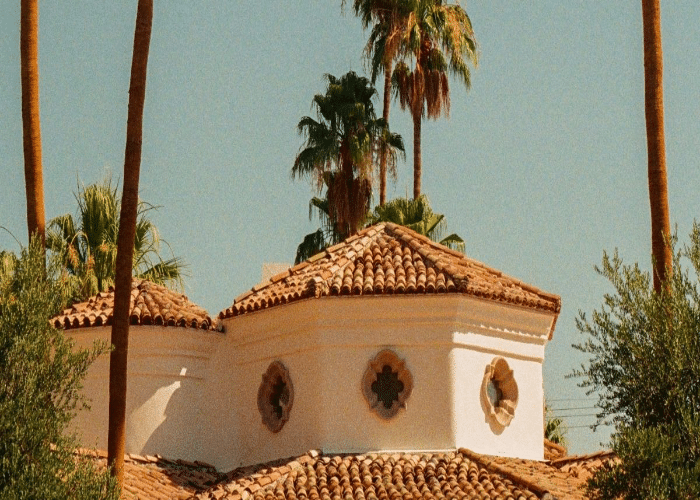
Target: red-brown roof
390,259
583,467
151,304
156,478
457,474
373,476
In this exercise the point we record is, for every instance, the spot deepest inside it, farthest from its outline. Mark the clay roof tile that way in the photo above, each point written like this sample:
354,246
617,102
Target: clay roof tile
150,303
386,259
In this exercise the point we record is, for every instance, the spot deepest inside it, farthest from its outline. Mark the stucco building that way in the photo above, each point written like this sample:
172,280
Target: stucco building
384,343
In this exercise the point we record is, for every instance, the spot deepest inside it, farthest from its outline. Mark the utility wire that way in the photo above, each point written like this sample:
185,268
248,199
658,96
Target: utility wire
573,408
572,399
581,415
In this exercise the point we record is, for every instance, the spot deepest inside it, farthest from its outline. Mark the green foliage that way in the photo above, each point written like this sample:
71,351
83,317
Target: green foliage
435,38
417,214
330,231
644,364
555,428
88,243
40,378
344,141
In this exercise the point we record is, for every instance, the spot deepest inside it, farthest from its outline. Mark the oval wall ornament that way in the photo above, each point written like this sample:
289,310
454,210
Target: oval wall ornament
275,396
499,392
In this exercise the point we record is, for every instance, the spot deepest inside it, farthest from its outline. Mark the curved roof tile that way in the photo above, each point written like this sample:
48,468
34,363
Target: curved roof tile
390,259
151,304
439,475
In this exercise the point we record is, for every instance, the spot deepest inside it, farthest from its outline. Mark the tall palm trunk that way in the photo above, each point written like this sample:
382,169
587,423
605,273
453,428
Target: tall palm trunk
417,161
385,116
656,150
125,241
31,130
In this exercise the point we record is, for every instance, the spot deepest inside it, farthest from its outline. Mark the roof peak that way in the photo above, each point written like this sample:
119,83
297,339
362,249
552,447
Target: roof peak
151,304
386,259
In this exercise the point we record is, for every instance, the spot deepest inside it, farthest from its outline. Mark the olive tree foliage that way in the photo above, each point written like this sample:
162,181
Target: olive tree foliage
41,373
644,349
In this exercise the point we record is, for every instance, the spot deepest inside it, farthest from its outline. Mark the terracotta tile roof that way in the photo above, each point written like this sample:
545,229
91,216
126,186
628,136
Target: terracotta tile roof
457,474
156,478
583,467
539,477
553,451
151,304
390,259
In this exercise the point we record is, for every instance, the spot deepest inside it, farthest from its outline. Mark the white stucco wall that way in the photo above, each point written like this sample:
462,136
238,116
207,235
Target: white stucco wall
193,394
326,344
167,375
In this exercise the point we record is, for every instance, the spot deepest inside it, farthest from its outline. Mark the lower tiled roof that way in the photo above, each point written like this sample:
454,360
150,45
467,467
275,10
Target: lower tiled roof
157,478
372,476
390,259
379,476
151,304
583,467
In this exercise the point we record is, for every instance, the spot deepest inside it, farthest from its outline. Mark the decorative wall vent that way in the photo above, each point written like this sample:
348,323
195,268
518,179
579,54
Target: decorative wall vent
499,392
275,396
387,384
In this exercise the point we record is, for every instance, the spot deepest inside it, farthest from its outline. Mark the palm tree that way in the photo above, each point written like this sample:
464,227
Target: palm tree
31,130
437,37
328,234
417,215
344,142
88,243
555,428
387,18
125,242
656,149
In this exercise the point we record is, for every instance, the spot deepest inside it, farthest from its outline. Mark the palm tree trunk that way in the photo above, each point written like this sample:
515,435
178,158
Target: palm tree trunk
417,161
385,115
31,129
656,150
125,242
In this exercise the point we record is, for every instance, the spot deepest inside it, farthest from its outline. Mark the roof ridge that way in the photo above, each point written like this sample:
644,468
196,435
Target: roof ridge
488,464
575,458
386,259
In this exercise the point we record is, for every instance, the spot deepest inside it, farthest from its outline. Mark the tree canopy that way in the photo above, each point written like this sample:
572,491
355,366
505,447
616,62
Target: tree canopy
416,214
41,373
434,38
644,349
344,141
87,243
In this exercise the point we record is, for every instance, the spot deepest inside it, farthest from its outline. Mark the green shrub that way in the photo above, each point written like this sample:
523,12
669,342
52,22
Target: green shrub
40,379
644,364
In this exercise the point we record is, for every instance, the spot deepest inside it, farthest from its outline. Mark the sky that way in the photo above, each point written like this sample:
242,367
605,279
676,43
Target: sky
541,166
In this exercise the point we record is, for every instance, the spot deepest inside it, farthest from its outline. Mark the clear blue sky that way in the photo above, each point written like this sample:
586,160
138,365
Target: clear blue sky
540,168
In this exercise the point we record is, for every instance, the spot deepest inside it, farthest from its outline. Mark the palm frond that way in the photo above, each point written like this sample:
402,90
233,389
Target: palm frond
454,242
416,214
341,147
87,244
312,244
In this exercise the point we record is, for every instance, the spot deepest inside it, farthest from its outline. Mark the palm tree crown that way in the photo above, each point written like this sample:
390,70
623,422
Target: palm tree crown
344,141
416,214
88,243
